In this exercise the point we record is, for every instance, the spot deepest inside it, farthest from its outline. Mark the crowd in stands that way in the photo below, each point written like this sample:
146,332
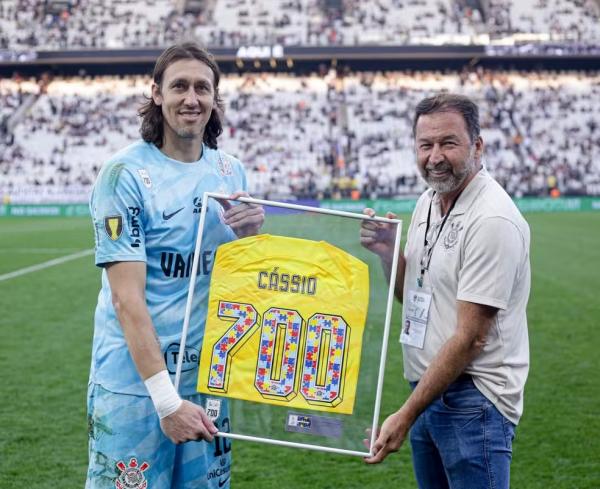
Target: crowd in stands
339,135
70,130
84,24
402,21
35,24
542,130
13,94
575,20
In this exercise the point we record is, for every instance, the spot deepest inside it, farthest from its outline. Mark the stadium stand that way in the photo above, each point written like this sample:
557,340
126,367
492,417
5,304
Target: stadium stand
73,126
558,20
77,24
531,146
283,126
83,24
334,134
15,95
331,136
400,21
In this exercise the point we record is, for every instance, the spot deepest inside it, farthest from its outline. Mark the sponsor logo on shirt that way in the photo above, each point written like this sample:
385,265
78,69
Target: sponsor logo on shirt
197,205
222,472
134,225
113,225
190,360
145,177
178,266
166,216
132,475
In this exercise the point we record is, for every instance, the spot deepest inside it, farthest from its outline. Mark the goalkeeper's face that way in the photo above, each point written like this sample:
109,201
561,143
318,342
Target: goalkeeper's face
186,96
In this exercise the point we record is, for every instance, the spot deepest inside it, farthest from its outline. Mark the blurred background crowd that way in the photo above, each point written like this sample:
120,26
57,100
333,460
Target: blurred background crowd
337,133
69,24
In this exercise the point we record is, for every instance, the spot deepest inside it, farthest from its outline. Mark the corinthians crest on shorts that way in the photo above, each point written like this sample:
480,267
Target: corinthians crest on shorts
132,475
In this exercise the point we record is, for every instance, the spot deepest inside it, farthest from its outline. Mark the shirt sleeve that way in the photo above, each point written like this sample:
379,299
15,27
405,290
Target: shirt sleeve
493,255
117,212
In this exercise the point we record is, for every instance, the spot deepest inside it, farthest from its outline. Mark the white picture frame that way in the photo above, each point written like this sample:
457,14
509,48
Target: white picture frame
386,330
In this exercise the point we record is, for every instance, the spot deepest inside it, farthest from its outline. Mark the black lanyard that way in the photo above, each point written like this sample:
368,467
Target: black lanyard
427,248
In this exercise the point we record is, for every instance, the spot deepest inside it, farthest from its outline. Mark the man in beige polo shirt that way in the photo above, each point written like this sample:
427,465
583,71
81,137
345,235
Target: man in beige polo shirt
464,282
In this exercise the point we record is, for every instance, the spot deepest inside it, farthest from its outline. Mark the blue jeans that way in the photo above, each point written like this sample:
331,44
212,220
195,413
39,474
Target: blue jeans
461,441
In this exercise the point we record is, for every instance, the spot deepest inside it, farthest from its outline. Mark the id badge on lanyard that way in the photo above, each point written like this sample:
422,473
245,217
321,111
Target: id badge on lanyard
416,305
416,313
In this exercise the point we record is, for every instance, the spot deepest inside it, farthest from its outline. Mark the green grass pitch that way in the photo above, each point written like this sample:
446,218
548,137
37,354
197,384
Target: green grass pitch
45,343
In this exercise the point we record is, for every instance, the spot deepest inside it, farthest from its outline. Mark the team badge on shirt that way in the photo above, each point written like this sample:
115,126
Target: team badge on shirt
132,475
113,225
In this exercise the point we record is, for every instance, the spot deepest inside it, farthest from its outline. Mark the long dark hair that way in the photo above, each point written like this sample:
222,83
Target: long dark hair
151,114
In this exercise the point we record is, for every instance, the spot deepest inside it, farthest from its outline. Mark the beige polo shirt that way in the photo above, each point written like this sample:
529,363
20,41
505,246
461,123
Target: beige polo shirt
482,256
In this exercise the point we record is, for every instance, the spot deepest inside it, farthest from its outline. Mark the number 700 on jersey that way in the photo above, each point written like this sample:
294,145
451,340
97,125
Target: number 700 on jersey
277,356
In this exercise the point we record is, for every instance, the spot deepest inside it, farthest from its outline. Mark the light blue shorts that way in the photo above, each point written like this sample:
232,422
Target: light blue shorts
128,450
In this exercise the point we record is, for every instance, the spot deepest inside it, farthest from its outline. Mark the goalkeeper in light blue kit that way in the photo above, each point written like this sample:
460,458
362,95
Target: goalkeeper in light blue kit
145,207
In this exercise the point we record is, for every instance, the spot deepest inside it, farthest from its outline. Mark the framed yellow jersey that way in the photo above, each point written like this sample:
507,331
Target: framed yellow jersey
285,323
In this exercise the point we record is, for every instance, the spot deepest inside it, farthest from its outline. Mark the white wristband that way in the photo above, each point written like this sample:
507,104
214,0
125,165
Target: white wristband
162,391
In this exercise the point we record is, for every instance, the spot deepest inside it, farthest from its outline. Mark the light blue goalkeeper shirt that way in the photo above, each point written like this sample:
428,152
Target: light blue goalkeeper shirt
146,207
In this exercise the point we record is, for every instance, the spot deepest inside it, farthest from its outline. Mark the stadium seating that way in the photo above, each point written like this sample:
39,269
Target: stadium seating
12,94
86,24
559,20
73,126
26,24
322,136
400,21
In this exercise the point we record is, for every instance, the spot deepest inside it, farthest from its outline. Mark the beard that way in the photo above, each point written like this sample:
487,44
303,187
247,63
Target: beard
188,132
453,177
183,130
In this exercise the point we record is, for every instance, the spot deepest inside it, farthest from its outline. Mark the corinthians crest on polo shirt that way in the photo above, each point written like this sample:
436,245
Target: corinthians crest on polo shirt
452,236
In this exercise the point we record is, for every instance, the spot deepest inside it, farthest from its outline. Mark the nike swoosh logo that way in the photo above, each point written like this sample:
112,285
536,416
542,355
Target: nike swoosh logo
166,217
223,482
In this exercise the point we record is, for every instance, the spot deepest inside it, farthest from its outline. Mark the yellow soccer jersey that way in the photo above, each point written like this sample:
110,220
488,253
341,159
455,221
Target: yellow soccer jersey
285,323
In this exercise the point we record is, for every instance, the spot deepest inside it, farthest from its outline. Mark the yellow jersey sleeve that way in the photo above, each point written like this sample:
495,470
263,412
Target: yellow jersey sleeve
285,323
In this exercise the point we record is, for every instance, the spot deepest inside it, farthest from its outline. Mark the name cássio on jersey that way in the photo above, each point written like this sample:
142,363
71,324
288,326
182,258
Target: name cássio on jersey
176,265
286,282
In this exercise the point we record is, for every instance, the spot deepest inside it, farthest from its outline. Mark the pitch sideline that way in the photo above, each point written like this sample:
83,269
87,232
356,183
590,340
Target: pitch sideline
46,264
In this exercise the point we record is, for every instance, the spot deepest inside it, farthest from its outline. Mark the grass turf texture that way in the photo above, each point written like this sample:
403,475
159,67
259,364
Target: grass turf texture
46,331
